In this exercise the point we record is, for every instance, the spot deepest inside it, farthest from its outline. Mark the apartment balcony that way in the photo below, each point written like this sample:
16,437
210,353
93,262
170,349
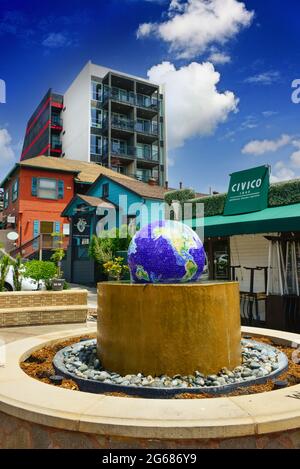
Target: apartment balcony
147,132
127,152
55,148
96,124
147,102
143,175
56,123
120,128
122,100
148,159
96,157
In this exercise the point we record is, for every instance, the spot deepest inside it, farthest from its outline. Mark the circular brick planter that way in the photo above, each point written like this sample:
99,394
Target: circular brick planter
37,415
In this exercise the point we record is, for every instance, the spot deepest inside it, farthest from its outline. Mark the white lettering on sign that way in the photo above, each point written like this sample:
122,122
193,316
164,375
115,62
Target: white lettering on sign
246,185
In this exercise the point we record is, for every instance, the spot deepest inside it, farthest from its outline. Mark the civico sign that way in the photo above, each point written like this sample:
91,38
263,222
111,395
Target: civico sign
248,191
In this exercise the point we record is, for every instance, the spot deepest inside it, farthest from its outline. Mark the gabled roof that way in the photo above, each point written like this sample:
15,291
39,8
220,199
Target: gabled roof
142,189
96,201
86,171
91,201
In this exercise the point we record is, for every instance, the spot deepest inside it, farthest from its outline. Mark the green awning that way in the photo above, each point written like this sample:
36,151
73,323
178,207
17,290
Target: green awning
270,220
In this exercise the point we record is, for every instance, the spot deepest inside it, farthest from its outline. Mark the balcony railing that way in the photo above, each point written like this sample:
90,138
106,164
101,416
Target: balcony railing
146,102
147,155
118,150
127,151
147,128
96,124
128,97
123,124
122,96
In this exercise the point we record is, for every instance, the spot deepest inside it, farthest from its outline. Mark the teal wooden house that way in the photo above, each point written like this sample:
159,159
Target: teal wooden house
109,203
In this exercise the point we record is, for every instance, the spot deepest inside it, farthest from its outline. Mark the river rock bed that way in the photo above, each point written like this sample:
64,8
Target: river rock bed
259,360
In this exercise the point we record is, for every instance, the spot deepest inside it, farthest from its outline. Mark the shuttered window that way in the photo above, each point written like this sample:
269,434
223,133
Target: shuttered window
6,198
15,190
60,189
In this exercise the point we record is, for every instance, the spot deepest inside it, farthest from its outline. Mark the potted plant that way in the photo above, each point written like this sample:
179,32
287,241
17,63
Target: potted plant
58,282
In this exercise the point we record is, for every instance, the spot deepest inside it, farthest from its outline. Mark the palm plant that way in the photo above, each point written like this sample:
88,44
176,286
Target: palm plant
4,266
17,272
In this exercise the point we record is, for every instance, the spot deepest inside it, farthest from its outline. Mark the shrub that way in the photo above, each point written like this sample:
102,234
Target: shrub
181,195
4,266
18,272
104,249
41,270
116,268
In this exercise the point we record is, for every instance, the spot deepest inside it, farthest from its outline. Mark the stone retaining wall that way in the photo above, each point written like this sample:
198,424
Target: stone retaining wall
42,307
17,433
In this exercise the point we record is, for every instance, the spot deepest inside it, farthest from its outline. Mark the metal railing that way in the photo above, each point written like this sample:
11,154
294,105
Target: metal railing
150,128
148,155
129,97
122,124
35,248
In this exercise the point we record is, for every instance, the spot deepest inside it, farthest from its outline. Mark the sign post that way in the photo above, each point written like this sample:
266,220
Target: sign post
248,191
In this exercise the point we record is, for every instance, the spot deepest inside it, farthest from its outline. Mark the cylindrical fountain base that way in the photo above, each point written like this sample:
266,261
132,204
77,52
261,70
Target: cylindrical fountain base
160,329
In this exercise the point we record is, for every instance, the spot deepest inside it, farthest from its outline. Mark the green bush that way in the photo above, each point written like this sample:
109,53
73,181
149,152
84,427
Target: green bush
41,271
4,266
181,195
213,204
284,193
104,249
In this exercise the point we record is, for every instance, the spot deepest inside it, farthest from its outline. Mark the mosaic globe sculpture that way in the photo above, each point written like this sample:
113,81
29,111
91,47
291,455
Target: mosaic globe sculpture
166,252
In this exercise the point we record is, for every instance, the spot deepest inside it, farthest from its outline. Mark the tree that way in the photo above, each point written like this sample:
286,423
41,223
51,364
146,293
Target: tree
57,257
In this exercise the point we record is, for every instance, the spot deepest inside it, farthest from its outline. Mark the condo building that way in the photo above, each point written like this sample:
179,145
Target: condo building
108,117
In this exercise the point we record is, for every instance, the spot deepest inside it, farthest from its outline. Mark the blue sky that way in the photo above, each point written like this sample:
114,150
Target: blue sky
241,118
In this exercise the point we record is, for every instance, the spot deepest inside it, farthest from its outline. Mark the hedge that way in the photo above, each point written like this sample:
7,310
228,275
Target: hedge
181,195
280,193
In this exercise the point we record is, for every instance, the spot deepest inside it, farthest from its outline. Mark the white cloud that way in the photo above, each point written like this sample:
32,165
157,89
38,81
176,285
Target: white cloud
295,159
269,113
56,40
260,147
6,151
282,172
193,104
219,58
195,25
265,78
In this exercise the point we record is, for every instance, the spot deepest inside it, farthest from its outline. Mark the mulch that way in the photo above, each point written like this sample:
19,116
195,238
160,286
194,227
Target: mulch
39,366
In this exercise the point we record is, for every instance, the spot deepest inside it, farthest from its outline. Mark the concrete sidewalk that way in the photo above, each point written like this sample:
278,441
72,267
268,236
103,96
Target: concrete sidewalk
92,294
11,334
